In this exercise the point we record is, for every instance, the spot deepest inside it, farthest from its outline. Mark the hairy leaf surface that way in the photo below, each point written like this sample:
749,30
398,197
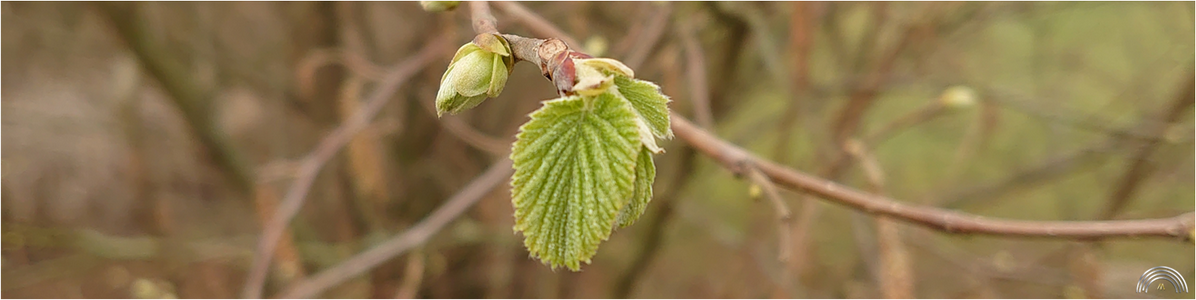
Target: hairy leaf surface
645,173
574,172
649,103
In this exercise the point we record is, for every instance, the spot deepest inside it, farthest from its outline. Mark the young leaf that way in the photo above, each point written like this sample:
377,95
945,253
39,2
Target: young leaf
649,103
645,173
574,171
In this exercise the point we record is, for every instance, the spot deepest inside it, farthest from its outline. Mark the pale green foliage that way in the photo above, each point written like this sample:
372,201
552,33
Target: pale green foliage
645,173
595,75
649,102
478,71
583,164
574,171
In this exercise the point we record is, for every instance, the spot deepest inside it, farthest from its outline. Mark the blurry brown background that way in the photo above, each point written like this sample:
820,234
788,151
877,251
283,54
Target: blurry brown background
109,191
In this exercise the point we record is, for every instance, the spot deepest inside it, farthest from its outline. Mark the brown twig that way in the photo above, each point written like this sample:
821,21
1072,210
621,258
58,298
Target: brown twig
416,235
844,125
631,36
290,265
695,60
737,160
893,128
483,19
770,54
1085,265
413,275
188,97
800,41
306,68
1031,270
1060,166
467,133
1140,167
665,197
889,130
895,278
879,21
311,164
1008,98
1050,169
534,22
650,243
784,223
652,33
864,96
732,157
364,154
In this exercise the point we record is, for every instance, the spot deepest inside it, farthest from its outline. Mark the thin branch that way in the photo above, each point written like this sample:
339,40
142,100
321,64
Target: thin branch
770,54
191,99
1008,98
467,133
1029,271
533,22
784,223
732,158
631,36
483,20
893,128
650,243
187,96
307,66
1060,166
289,265
652,33
416,235
665,199
844,126
800,41
1051,169
735,159
413,275
894,277
1140,167
311,164
699,93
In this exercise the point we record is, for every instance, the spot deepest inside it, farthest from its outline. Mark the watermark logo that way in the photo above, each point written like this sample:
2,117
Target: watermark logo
1161,273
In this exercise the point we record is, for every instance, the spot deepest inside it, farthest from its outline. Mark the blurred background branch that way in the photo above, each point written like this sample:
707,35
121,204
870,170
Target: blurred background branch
147,145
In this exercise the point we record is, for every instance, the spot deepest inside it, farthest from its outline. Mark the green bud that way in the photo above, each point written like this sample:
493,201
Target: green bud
958,97
439,6
478,71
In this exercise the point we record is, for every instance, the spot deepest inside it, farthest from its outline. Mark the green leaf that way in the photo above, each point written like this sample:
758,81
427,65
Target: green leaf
574,171
645,173
649,103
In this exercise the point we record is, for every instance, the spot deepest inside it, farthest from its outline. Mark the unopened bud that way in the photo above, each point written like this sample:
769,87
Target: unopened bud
439,6
478,71
958,97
